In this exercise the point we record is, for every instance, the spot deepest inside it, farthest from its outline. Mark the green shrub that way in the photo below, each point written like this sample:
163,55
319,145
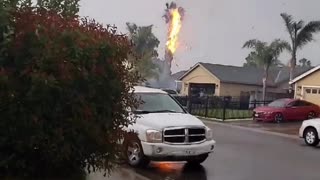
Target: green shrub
64,89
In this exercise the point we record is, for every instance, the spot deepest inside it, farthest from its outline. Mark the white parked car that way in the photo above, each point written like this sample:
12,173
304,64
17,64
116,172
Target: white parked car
310,131
164,131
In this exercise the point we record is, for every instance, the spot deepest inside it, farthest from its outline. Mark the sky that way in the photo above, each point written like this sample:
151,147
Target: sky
213,31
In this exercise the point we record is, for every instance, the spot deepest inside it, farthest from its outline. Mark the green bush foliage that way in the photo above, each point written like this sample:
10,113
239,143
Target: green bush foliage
64,91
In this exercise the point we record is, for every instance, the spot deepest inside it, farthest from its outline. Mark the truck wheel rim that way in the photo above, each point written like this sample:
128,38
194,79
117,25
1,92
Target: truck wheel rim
133,153
310,137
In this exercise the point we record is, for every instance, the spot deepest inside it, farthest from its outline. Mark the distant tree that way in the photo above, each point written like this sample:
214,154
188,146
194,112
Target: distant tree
300,34
265,55
304,62
145,45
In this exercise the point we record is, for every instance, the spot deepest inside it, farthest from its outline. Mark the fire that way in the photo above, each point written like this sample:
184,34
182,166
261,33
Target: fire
174,30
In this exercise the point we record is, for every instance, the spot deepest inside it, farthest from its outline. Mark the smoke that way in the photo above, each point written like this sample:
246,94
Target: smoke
165,80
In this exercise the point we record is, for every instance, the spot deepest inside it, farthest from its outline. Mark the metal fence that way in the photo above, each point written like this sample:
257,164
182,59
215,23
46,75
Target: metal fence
220,107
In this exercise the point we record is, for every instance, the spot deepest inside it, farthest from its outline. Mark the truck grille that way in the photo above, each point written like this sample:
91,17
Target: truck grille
181,135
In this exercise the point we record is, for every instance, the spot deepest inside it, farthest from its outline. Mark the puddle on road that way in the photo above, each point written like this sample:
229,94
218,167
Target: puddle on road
174,171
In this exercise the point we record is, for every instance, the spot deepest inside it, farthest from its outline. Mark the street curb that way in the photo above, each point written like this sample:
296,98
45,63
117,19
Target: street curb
251,129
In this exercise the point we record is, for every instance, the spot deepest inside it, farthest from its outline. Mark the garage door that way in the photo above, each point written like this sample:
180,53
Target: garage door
312,95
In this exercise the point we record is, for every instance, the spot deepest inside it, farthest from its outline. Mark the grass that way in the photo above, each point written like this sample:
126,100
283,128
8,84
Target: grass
218,113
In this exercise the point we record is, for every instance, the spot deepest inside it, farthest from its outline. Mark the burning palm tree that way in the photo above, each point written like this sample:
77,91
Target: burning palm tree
173,17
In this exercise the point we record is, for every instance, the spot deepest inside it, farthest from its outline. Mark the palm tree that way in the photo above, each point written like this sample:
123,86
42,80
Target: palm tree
300,35
265,56
252,62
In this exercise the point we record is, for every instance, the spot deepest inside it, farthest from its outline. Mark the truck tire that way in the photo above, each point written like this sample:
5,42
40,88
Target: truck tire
198,160
134,153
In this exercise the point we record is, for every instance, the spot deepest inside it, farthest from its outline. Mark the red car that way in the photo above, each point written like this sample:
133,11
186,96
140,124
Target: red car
286,109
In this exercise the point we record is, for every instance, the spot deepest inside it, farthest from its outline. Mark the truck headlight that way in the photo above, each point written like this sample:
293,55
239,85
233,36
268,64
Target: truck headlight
154,136
209,134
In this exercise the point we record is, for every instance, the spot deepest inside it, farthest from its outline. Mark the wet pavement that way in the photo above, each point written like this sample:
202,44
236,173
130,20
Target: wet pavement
246,155
123,173
290,128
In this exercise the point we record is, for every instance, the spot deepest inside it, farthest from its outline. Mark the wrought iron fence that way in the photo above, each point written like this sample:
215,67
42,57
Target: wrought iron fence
220,107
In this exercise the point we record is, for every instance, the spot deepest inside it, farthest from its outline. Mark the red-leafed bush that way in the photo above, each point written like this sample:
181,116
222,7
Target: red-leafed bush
64,90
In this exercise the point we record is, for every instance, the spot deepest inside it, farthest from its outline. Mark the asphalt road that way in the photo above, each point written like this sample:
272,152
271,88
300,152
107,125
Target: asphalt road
246,155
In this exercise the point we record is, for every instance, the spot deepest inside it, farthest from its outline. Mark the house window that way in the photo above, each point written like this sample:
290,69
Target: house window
314,91
308,91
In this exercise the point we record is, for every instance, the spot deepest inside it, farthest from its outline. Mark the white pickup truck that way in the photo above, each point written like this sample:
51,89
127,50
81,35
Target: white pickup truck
164,131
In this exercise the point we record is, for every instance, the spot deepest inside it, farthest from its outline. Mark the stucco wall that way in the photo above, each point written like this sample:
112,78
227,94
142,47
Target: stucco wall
312,82
235,89
232,89
199,75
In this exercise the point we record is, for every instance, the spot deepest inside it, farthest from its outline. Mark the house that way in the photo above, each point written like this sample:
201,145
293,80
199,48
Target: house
178,82
307,85
223,80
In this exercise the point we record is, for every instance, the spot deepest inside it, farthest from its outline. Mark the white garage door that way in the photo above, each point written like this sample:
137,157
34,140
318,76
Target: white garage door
312,94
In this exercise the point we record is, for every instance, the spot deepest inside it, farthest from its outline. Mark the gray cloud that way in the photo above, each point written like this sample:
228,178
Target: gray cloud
213,30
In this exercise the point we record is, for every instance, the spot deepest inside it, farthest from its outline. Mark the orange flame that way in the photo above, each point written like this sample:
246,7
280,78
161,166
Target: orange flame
174,29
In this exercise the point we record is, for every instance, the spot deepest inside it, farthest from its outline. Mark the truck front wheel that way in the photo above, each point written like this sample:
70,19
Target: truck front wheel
134,153
198,160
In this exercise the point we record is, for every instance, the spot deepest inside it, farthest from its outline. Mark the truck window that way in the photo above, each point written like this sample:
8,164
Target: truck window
158,102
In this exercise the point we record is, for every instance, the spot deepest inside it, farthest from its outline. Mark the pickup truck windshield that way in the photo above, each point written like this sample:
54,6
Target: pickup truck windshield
157,103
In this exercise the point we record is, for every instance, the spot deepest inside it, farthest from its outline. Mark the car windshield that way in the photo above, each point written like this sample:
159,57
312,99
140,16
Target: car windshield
157,103
278,103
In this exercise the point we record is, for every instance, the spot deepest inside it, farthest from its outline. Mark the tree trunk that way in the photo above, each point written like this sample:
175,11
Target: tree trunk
264,83
292,67
264,88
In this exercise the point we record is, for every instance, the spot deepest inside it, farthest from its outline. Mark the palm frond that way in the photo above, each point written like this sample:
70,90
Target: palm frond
254,43
278,45
263,54
306,33
299,25
288,20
